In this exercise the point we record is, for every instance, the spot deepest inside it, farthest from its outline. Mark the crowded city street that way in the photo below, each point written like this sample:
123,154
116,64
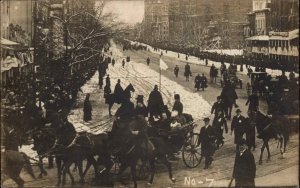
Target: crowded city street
149,93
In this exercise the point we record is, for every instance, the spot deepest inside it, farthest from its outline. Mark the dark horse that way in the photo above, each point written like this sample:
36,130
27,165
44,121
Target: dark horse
112,98
12,162
275,127
135,145
66,154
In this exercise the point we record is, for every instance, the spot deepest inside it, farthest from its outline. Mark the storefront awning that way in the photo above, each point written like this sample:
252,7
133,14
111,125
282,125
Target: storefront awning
8,42
259,38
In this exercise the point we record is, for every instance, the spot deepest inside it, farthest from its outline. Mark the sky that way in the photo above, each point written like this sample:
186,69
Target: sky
128,11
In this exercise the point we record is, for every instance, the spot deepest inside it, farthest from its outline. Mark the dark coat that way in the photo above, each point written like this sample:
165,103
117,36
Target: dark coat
176,70
187,70
198,80
178,107
228,95
87,111
141,110
244,170
253,103
107,81
250,132
203,82
155,103
217,107
118,92
207,138
238,125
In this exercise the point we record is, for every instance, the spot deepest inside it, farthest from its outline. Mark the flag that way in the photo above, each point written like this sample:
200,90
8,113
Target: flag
163,65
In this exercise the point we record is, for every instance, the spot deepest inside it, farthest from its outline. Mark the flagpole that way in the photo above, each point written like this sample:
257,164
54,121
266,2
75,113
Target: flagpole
159,79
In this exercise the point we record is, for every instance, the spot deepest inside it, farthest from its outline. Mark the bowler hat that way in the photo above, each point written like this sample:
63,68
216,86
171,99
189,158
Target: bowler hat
206,119
238,110
177,96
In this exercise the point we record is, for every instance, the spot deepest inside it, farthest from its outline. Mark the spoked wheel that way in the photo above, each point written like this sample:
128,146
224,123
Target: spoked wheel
143,170
191,152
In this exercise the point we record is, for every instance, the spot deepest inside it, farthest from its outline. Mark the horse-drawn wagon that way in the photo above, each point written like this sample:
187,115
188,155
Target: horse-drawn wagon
230,75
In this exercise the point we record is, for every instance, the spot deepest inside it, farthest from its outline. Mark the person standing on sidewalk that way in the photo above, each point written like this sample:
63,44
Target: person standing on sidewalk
176,71
244,170
87,109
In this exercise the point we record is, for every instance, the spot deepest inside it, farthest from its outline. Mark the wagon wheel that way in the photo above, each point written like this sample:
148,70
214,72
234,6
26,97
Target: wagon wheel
143,170
191,152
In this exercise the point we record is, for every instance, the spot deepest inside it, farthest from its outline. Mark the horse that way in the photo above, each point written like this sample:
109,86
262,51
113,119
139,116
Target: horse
65,154
111,98
12,162
136,145
275,127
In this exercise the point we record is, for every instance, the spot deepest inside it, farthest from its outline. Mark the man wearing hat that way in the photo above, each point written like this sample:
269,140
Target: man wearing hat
253,102
141,108
155,102
238,126
207,140
177,105
217,106
244,169
118,92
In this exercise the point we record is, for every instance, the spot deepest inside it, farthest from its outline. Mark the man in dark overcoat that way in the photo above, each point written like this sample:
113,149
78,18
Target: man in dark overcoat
203,82
155,102
198,79
217,106
176,71
253,102
118,92
87,109
107,80
141,108
229,96
207,139
219,124
238,126
244,169
178,106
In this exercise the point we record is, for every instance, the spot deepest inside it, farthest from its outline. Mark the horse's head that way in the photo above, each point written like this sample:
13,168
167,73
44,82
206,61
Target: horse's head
130,88
44,140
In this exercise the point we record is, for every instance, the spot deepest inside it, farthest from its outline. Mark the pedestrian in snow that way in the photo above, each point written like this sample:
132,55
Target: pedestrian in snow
249,89
238,126
87,109
219,124
118,92
244,170
206,62
148,61
203,82
198,80
100,81
107,80
113,62
155,102
123,63
187,72
217,106
253,102
176,71
178,55
207,141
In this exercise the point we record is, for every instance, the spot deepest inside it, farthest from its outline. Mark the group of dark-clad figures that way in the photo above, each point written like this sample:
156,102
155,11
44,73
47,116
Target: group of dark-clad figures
136,135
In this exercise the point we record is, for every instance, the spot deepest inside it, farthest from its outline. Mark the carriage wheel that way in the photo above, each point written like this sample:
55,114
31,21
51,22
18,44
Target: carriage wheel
143,170
191,152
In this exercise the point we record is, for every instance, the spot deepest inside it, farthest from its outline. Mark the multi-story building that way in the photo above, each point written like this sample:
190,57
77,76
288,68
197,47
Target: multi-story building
276,31
187,21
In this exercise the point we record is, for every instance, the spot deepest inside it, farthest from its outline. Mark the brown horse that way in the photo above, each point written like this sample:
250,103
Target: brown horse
12,162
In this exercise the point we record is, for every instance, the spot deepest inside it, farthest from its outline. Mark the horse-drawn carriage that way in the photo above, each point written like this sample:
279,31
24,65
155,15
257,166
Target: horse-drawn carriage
230,75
